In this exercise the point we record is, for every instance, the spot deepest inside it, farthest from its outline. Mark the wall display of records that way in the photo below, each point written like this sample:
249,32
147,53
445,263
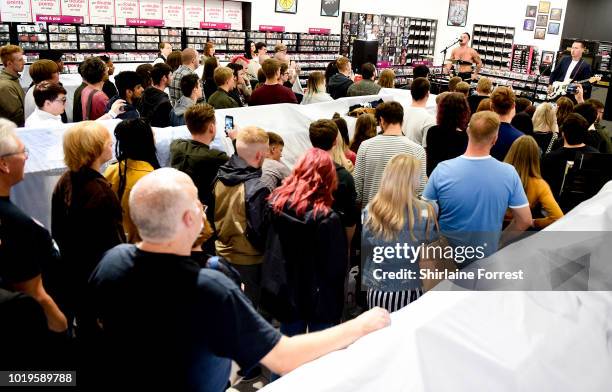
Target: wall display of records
147,38
91,38
494,44
224,40
62,37
171,35
401,39
319,43
32,36
5,34
123,38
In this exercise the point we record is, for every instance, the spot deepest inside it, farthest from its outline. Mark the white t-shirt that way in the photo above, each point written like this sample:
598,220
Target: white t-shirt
570,69
42,119
416,123
29,105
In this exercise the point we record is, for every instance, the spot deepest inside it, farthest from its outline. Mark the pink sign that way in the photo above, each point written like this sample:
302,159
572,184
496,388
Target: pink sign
215,25
277,29
144,22
316,30
383,64
59,19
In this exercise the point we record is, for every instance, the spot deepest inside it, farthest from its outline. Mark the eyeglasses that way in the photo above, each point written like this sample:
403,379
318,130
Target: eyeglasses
63,100
25,152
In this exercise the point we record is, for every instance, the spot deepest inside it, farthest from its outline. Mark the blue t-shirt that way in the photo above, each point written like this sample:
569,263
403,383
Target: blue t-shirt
181,324
506,136
473,195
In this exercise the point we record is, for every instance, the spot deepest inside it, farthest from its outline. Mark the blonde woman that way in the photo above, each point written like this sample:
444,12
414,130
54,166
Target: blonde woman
339,155
86,215
316,89
387,78
524,155
396,215
545,128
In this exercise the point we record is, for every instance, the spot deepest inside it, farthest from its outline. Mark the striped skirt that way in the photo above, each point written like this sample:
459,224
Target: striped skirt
392,300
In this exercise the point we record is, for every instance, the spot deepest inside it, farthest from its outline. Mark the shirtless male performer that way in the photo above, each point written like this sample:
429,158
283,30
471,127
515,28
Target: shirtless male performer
465,54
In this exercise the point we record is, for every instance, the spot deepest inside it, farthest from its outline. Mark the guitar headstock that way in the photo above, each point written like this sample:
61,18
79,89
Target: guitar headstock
595,78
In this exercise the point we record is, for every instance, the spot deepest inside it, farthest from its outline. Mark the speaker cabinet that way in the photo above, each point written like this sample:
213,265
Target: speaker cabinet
364,52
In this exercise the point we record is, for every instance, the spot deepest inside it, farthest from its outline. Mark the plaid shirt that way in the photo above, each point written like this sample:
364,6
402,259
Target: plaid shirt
175,84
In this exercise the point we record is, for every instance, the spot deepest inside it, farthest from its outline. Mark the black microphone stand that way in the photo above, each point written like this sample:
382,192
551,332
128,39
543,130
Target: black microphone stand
537,82
445,50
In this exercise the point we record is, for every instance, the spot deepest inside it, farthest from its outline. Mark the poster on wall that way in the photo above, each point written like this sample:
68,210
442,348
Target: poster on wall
547,58
125,9
529,24
555,13
542,20
330,7
15,10
213,11
544,7
102,11
553,28
76,8
194,13
285,6
457,13
540,33
47,7
531,11
233,14
150,9
172,12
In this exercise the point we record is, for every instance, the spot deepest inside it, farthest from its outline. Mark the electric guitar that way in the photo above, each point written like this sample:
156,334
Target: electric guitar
560,88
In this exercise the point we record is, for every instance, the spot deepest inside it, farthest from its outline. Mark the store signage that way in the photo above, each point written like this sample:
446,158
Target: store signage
383,64
215,25
144,22
59,19
316,30
276,29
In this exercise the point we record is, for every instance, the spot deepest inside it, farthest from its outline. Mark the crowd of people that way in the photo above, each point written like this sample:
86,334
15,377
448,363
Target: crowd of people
184,269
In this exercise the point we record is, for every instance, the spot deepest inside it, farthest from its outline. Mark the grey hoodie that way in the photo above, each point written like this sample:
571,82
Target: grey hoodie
177,116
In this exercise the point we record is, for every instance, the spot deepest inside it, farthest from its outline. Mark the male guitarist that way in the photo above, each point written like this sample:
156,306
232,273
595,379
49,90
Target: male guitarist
574,68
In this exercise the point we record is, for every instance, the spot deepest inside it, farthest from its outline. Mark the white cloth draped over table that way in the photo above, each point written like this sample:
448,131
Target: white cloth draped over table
45,164
503,341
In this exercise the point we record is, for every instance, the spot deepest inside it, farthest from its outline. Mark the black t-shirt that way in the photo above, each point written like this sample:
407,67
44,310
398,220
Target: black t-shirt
444,144
474,101
25,246
554,163
181,324
345,197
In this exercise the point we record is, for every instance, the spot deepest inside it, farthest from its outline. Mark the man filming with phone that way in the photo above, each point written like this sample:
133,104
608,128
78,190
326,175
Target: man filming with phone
572,68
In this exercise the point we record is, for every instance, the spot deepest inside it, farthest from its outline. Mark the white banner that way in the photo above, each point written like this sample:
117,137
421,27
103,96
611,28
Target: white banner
15,10
213,11
173,13
45,7
76,8
125,9
233,14
102,12
150,9
194,13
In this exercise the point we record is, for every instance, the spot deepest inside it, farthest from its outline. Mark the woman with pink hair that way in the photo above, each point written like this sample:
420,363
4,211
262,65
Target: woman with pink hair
306,261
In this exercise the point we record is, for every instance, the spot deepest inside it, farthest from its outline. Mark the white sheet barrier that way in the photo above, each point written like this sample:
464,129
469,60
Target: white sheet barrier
482,341
45,164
